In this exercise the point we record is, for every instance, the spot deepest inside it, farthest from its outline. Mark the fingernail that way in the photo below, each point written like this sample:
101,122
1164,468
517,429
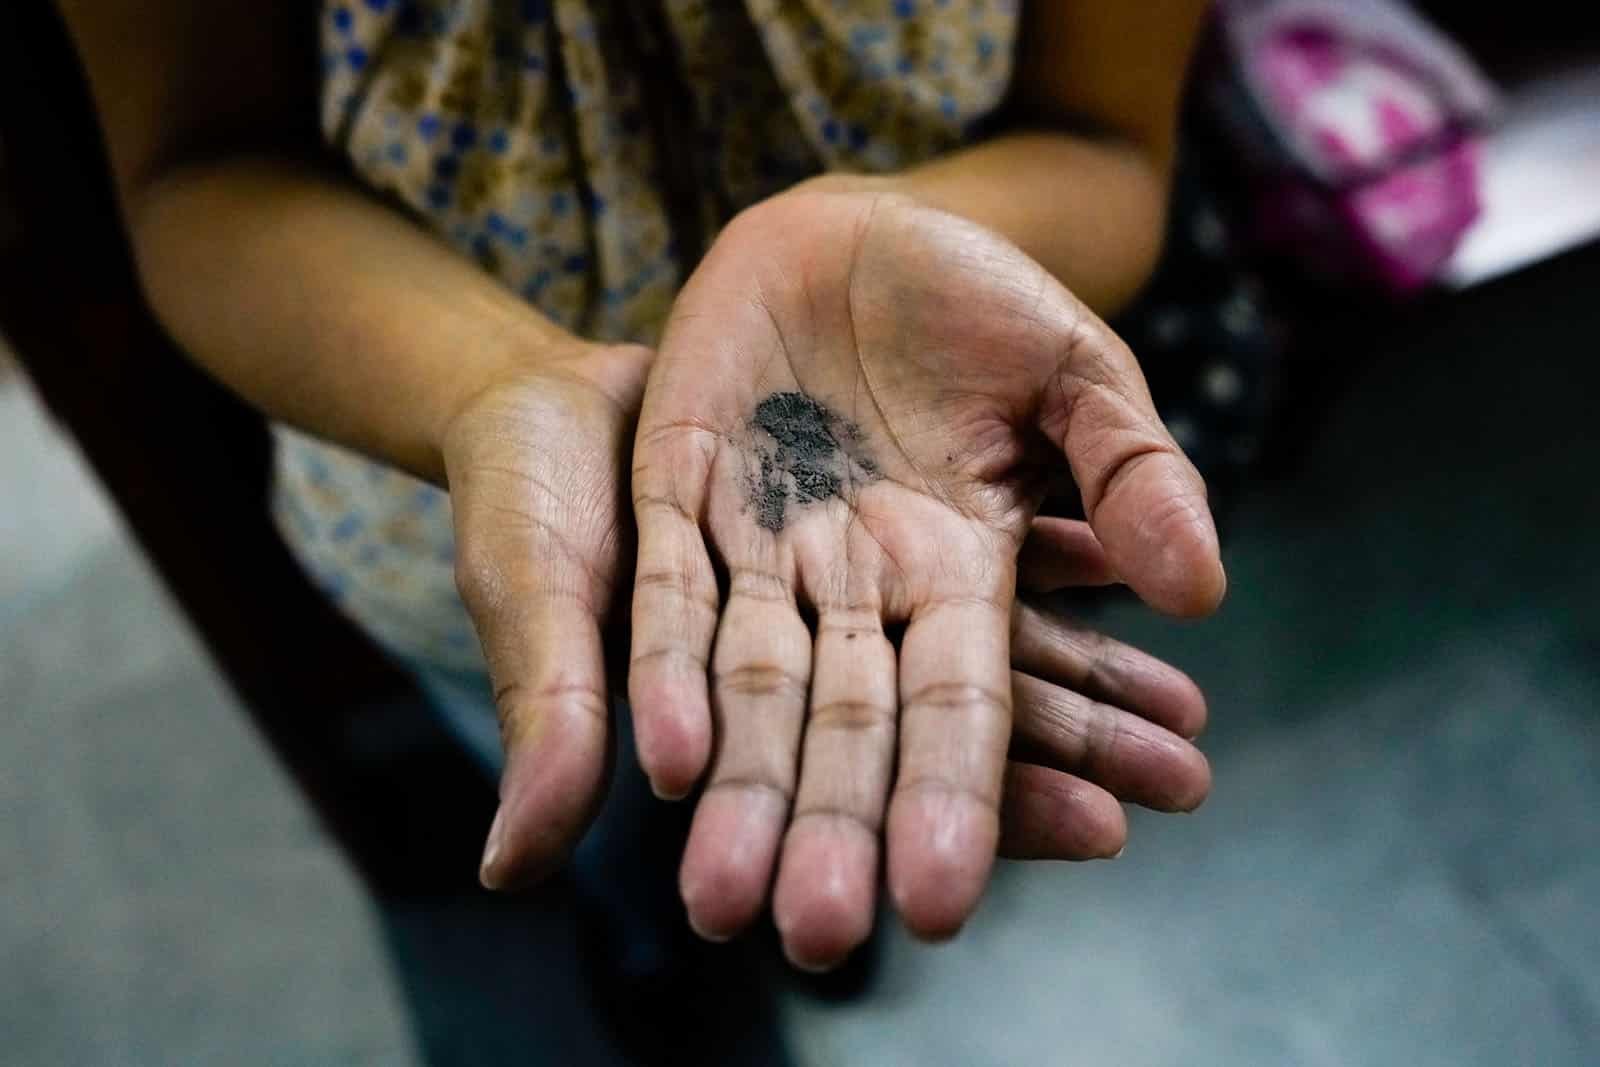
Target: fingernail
808,968
488,874
663,794
715,939
1117,855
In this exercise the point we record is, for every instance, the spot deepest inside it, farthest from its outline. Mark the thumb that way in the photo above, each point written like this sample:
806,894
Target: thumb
1144,500
545,654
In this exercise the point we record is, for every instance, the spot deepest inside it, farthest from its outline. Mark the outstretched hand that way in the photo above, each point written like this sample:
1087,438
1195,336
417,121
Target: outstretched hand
545,543
543,539
848,428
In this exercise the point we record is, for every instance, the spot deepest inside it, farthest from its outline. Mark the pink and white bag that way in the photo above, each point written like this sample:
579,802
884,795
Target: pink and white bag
1360,127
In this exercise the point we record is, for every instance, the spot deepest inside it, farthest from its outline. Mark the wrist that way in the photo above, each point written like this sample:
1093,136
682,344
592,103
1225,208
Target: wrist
848,182
778,220
511,353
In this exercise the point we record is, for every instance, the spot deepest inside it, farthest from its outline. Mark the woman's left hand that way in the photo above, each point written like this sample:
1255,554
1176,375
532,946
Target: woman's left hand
852,416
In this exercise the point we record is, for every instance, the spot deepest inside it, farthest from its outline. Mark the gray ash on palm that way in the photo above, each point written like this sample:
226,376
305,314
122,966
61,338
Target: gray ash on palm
806,453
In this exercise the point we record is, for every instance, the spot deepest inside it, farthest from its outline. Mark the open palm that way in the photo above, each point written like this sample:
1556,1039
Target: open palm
537,476
847,430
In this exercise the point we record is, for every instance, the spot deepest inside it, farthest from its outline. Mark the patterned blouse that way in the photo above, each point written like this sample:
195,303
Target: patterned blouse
585,152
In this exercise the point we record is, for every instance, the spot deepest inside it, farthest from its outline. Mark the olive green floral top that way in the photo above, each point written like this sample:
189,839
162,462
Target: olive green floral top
585,152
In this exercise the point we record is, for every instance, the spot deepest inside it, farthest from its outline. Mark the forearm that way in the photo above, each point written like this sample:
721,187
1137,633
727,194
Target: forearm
326,308
1100,81
1091,211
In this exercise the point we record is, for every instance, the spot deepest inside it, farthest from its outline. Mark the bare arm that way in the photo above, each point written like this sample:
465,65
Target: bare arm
1082,183
316,303
326,308
337,314
331,311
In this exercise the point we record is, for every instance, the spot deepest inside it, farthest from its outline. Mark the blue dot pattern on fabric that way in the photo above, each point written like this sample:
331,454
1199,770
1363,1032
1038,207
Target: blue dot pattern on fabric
454,109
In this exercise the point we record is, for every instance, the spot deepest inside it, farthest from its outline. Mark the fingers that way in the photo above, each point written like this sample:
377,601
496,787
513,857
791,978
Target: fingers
955,725
675,605
828,878
760,669
1109,716
1055,816
1134,760
1102,669
544,652
1062,554
1144,499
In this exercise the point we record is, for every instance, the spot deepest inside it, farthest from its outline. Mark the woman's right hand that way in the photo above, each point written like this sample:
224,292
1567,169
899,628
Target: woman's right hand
544,537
